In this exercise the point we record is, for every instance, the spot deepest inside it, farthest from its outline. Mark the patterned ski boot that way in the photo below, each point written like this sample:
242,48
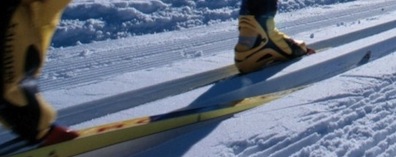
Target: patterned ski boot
261,44
26,29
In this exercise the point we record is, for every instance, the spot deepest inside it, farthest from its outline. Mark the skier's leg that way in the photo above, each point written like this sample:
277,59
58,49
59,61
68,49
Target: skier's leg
260,43
25,32
259,7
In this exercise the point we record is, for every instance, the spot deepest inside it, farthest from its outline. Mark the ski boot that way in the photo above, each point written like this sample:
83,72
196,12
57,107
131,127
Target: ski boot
26,30
260,44
58,134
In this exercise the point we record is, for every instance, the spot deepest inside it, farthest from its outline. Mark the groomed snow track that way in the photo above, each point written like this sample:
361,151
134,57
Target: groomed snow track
86,68
113,62
137,97
322,129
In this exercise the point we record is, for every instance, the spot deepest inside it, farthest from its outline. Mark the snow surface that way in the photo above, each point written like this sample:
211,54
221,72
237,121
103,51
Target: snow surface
85,21
352,114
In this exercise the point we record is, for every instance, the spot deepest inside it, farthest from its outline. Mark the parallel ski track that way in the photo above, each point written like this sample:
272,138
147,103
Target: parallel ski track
77,71
109,63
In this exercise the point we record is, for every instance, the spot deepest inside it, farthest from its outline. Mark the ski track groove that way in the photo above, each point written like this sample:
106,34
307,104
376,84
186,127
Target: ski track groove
340,17
121,64
85,69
